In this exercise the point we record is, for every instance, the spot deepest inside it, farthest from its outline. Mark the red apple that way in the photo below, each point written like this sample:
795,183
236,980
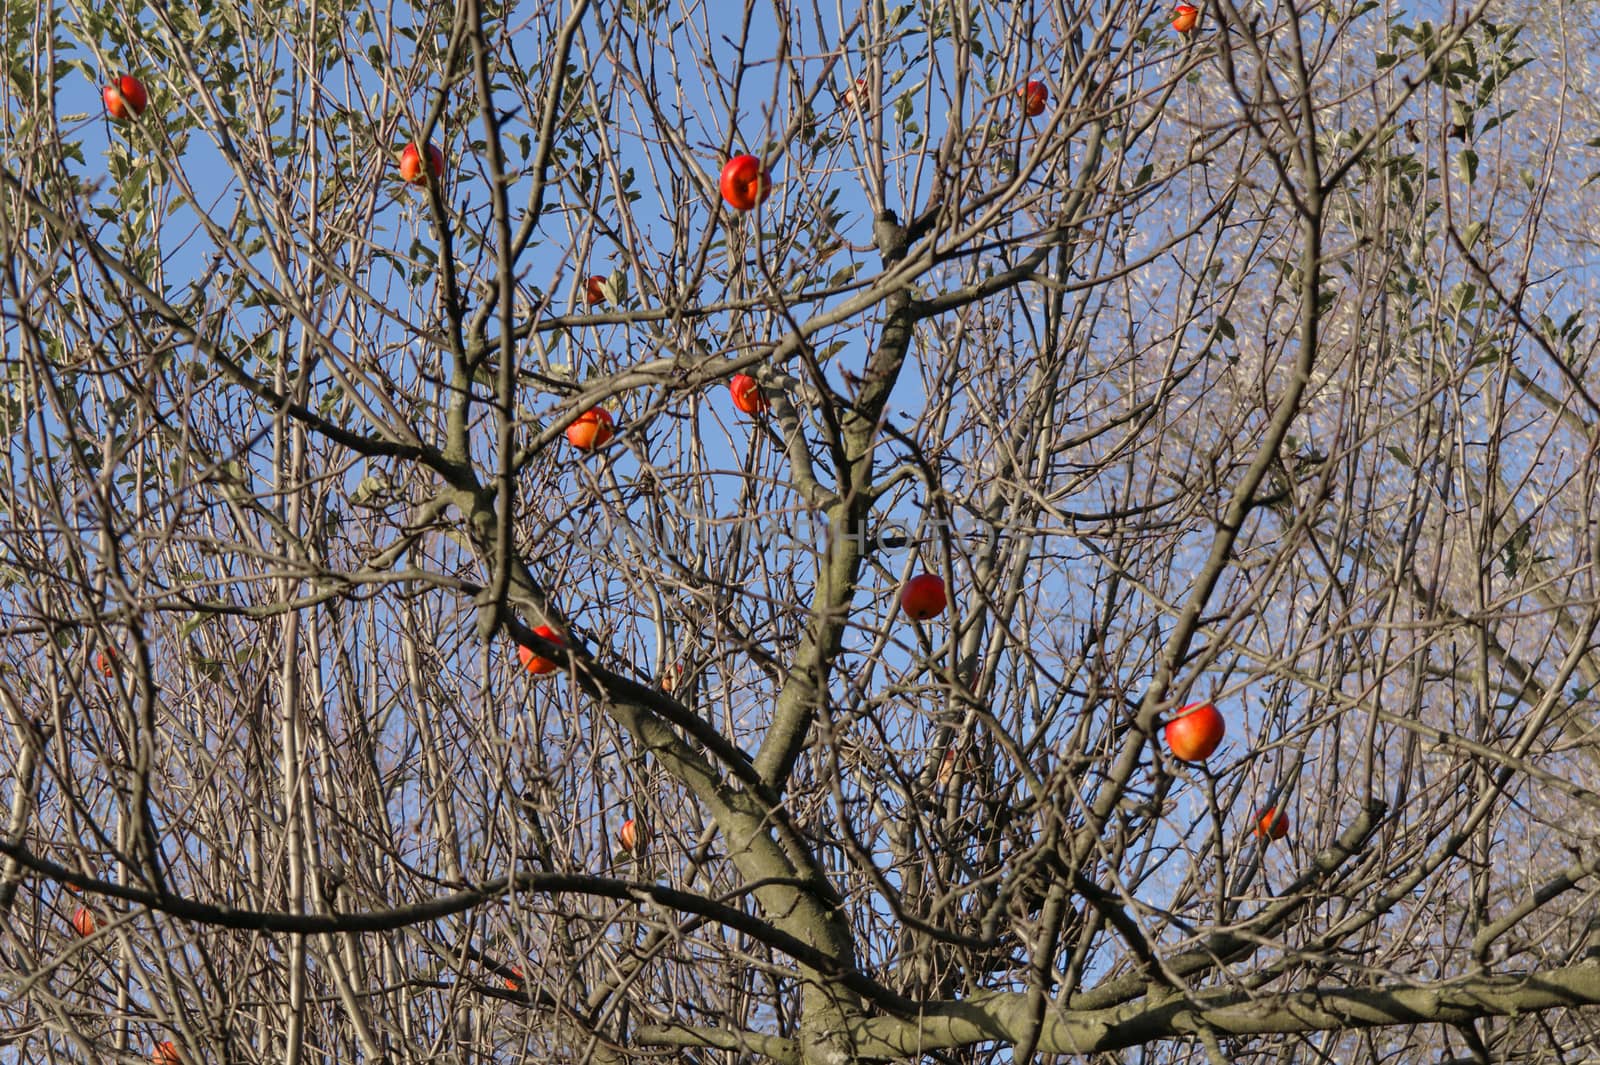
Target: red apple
744,184
671,677
532,660
923,597
166,1053
591,430
1034,95
747,394
594,291
83,920
856,95
1195,731
632,837
125,97
411,164
1187,16
947,767
106,662
514,982
1272,824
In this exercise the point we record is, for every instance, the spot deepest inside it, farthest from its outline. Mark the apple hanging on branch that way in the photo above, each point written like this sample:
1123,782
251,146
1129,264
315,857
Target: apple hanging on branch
856,94
411,165
83,921
125,98
532,660
671,677
631,837
1186,15
1195,732
594,290
744,183
923,597
747,394
166,1053
1271,823
1034,97
948,764
591,430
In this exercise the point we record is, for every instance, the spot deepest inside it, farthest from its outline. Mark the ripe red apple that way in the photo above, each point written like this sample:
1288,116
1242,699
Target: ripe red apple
744,184
514,982
411,164
591,430
1195,731
632,837
856,94
83,921
166,1053
105,662
594,291
532,660
1187,16
1272,824
125,97
923,597
1034,95
747,394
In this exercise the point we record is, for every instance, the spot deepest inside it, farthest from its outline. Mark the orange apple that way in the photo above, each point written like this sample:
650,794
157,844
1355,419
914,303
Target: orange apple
744,184
747,394
411,164
166,1053
125,97
923,597
532,660
632,836
591,430
1034,95
83,921
1195,731
1272,824
106,662
593,290
514,981
1187,16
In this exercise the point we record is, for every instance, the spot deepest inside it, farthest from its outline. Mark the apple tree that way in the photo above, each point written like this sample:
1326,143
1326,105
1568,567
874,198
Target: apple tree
417,651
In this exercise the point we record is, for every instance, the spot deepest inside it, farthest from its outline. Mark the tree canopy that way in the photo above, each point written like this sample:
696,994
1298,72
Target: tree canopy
491,574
